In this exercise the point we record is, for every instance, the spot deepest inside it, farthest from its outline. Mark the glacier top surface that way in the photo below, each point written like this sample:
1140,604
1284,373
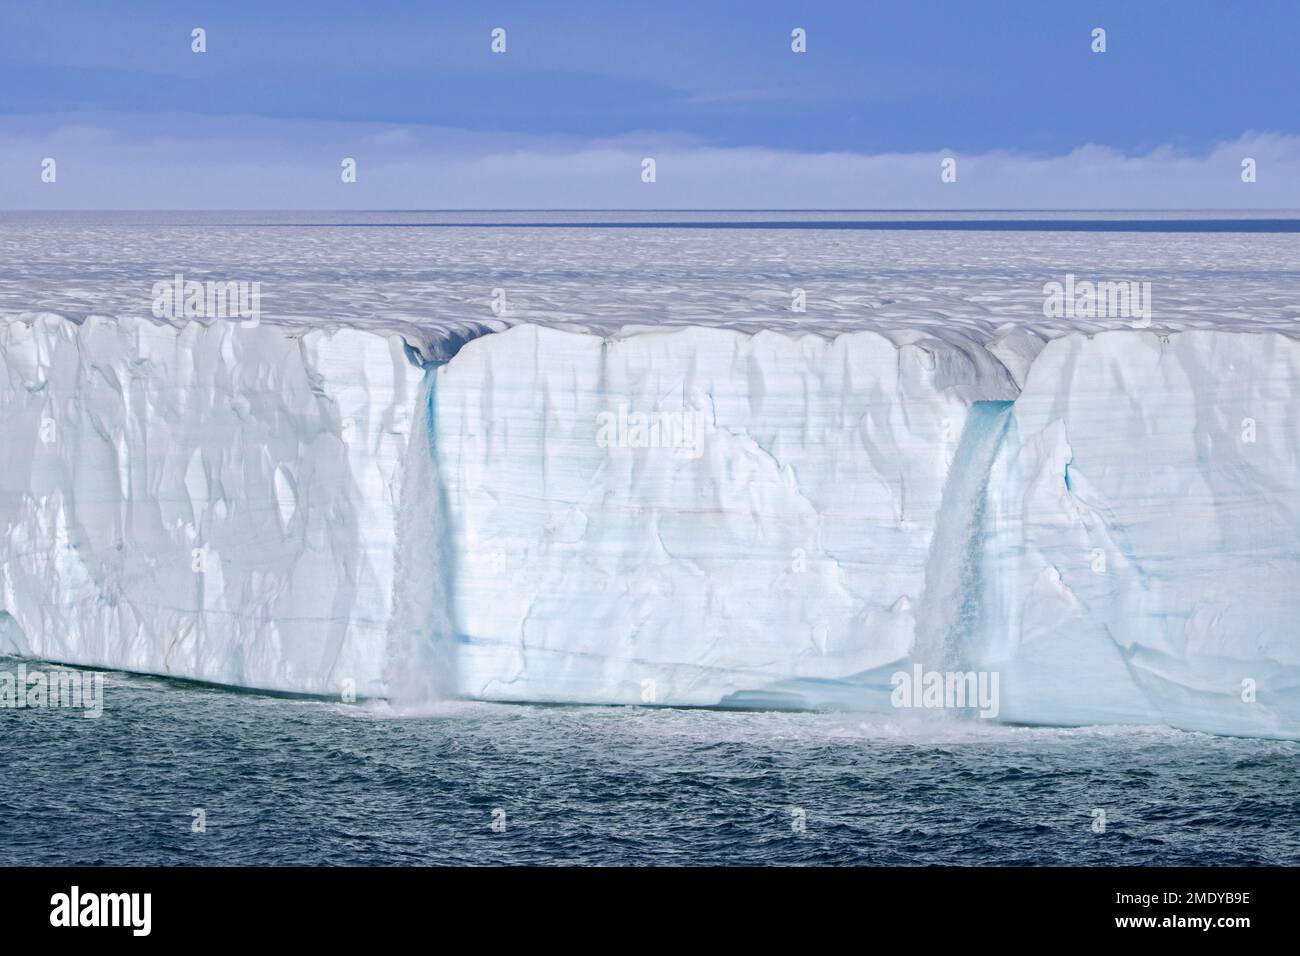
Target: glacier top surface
431,276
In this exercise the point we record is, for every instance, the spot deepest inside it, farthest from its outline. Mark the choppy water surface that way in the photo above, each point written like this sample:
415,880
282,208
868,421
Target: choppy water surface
309,782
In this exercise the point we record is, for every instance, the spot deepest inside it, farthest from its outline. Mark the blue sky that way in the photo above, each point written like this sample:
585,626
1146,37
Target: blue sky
1013,79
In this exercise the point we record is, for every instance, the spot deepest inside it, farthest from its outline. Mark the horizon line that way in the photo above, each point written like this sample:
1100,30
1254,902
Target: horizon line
669,209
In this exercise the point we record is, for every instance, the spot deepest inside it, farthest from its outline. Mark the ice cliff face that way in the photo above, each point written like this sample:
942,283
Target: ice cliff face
691,516
784,536
215,503
1142,558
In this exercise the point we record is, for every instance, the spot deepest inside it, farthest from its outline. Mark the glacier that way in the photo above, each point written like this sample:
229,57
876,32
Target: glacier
1143,550
1106,518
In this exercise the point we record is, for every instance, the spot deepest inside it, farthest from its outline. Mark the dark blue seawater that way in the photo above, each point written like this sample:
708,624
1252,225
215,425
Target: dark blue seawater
286,780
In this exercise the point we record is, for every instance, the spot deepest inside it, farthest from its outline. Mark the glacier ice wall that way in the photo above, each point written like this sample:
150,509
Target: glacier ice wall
305,511
215,503
790,543
1143,534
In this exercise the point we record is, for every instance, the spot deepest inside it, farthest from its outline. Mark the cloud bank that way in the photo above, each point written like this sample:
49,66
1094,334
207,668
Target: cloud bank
183,161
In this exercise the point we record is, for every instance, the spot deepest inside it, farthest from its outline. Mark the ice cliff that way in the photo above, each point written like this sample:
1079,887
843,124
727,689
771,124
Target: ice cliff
216,503
687,516
1142,550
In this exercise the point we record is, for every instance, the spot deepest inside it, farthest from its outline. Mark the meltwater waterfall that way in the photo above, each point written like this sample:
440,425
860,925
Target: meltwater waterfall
421,664
950,614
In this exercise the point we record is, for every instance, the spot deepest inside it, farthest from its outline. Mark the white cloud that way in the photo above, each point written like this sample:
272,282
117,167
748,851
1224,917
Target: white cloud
181,161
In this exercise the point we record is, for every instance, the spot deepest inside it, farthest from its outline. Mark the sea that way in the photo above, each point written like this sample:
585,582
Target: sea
182,774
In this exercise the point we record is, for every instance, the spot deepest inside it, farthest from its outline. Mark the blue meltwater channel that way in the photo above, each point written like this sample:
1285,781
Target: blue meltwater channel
950,612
